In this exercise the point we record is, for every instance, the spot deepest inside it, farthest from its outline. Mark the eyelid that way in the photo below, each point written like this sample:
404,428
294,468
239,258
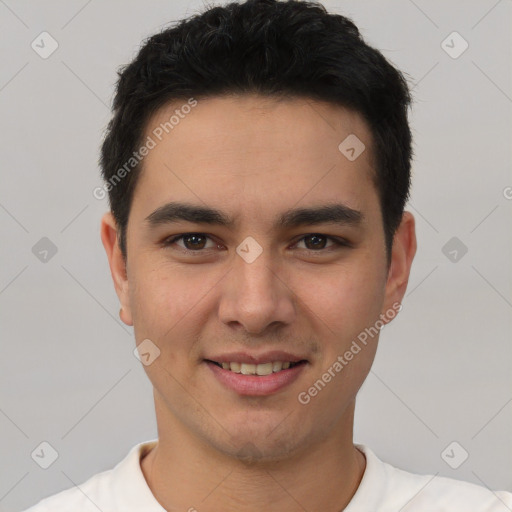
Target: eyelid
171,240
338,241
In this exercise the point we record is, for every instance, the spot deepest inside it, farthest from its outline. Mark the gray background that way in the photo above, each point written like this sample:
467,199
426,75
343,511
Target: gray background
68,375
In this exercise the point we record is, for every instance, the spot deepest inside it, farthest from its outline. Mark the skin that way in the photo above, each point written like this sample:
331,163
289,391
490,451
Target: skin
253,158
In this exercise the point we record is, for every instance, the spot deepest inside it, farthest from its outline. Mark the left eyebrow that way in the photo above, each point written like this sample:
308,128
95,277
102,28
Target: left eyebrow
329,214
338,213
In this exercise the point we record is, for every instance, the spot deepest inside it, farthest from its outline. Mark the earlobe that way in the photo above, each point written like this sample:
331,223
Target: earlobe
402,255
124,317
109,238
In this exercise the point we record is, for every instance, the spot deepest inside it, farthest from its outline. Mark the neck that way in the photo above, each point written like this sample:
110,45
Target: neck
185,473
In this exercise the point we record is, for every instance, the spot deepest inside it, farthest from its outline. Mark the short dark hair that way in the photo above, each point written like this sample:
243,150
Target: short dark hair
273,48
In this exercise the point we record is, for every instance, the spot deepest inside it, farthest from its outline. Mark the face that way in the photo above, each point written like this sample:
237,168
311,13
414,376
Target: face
289,268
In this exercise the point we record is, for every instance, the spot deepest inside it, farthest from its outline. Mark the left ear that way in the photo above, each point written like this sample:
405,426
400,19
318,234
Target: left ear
402,254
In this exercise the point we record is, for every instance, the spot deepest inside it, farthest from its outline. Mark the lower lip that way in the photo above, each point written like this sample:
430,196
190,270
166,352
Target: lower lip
256,385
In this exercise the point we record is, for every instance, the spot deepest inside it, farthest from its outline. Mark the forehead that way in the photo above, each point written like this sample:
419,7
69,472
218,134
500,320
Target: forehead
257,153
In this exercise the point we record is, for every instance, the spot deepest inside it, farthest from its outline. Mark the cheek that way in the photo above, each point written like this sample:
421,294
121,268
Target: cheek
345,300
161,301
342,308
165,311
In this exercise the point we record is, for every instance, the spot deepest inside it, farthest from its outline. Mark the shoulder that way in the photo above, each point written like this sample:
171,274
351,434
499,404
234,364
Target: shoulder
426,491
411,492
81,498
120,489
465,495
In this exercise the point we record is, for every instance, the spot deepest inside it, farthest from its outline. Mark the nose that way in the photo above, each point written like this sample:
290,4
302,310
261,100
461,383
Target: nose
256,297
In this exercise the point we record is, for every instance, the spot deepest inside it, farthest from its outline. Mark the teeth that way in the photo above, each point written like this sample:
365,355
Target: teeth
257,369
277,366
264,369
235,367
248,369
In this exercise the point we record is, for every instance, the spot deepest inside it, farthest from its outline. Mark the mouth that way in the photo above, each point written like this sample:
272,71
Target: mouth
256,376
261,369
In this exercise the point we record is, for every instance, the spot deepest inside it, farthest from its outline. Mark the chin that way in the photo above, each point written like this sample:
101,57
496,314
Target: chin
262,441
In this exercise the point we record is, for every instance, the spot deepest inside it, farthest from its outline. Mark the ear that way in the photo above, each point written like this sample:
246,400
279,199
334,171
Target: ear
109,237
402,254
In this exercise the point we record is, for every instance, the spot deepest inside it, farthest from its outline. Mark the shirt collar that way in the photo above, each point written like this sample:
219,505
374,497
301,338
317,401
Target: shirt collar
133,492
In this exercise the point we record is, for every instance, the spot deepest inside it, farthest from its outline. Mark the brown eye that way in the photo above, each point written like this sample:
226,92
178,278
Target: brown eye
194,241
317,242
191,241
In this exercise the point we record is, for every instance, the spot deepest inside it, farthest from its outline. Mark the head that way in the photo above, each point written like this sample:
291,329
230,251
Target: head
243,112
275,49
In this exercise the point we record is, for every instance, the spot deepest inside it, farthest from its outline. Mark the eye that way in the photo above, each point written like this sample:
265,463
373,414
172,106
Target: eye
192,241
197,242
317,242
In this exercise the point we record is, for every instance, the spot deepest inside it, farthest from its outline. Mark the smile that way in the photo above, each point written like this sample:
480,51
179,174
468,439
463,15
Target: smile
257,369
256,379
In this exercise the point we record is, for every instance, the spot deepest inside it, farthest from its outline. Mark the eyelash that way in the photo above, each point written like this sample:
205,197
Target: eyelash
339,243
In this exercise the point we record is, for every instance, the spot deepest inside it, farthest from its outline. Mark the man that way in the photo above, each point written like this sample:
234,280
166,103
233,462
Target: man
258,165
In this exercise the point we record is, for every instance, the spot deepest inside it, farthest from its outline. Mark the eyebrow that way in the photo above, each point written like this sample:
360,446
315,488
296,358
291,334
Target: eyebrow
337,213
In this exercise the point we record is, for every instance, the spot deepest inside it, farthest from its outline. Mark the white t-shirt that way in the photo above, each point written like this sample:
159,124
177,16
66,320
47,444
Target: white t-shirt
383,488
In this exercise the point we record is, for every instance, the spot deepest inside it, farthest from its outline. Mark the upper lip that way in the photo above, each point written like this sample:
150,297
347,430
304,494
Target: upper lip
265,357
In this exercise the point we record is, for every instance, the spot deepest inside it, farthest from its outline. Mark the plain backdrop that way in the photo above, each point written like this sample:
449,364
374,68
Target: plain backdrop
68,375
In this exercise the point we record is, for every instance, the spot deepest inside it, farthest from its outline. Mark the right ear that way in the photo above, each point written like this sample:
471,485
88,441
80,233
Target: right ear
110,239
